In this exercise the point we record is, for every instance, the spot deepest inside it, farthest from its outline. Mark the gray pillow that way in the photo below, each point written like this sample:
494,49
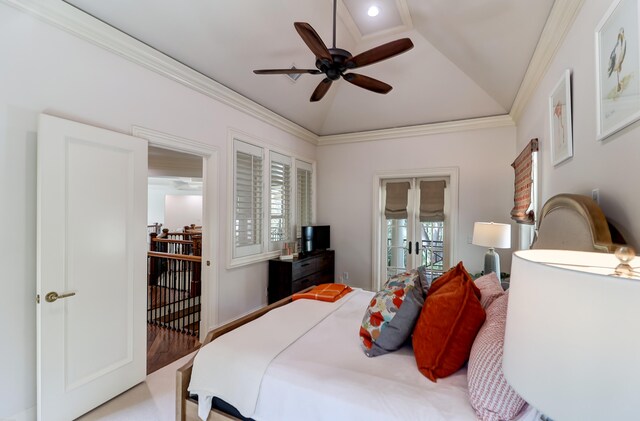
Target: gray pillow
378,336
425,284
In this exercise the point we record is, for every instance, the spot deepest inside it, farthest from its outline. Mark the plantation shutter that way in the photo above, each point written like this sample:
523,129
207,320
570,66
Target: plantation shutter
248,190
397,195
432,201
280,200
304,203
522,211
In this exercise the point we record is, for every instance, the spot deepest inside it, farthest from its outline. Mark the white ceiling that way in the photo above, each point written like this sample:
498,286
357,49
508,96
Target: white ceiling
168,163
468,60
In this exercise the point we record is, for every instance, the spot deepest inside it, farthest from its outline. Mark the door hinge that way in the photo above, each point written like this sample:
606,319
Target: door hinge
37,298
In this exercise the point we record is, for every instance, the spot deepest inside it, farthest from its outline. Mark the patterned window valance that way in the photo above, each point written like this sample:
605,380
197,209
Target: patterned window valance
522,211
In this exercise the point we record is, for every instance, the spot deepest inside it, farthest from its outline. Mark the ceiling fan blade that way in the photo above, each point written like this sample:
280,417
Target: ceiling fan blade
367,82
313,41
286,71
321,89
379,53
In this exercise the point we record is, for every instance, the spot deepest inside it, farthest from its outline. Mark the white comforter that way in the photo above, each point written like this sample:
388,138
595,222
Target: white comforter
325,375
232,367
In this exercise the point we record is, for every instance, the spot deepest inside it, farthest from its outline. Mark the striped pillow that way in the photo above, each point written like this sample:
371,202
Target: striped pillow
490,289
491,396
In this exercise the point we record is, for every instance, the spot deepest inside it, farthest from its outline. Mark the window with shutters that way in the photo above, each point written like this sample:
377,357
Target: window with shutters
272,198
280,201
248,203
304,205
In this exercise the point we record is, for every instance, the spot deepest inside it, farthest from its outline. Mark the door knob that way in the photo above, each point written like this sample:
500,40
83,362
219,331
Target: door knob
53,296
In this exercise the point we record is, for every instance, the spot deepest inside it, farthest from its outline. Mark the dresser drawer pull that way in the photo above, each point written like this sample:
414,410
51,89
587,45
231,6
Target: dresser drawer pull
304,264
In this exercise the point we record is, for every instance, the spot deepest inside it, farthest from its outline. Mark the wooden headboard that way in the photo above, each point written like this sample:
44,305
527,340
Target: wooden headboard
575,222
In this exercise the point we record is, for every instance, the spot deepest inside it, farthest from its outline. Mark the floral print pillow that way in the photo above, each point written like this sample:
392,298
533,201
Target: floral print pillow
392,314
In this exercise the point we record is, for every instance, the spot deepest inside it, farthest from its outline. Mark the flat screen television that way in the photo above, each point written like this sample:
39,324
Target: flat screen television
316,237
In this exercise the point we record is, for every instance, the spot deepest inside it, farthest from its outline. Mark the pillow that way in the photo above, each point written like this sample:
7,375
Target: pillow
425,283
490,289
491,396
448,323
391,315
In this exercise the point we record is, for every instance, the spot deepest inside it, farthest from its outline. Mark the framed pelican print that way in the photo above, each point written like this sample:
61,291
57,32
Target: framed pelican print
618,68
560,120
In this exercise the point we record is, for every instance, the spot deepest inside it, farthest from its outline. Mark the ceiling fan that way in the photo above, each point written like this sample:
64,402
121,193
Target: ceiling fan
334,62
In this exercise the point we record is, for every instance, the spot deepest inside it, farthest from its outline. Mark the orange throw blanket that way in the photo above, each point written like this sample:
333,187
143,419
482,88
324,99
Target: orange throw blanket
324,292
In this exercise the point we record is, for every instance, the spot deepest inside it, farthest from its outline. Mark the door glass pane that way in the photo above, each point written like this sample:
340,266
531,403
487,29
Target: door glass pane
432,253
397,253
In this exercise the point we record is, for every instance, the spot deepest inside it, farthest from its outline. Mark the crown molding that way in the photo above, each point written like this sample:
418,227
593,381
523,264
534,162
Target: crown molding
421,130
560,19
76,22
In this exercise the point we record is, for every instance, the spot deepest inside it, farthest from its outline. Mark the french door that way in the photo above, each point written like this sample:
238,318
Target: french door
415,228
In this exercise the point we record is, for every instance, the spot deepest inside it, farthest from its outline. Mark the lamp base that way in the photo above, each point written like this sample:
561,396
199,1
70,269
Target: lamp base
492,262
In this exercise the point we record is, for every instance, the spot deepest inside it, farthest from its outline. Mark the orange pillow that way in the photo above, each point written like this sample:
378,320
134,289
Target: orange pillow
448,324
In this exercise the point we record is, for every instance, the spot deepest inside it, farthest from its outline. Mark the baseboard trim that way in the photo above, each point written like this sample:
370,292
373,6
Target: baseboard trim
26,415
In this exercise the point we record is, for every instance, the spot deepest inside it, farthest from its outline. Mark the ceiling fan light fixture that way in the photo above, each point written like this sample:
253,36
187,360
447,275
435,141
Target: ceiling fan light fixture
373,11
334,62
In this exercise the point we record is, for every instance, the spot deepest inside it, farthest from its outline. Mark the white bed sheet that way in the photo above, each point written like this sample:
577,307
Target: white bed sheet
241,357
325,375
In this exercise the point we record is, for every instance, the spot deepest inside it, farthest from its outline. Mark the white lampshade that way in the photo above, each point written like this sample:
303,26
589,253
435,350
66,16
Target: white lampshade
491,234
572,340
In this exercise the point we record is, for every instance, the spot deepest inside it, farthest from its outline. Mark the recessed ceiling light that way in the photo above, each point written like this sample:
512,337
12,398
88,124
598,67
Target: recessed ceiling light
373,11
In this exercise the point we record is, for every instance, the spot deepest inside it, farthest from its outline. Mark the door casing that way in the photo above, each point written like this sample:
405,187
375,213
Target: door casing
210,230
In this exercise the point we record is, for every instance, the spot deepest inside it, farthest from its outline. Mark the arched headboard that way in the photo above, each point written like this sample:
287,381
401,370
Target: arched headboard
575,222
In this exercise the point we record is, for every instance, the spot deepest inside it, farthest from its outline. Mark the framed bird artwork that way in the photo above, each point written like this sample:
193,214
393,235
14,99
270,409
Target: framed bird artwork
618,68
561,131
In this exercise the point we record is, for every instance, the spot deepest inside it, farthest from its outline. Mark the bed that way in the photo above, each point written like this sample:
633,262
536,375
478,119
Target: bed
576,222
324,374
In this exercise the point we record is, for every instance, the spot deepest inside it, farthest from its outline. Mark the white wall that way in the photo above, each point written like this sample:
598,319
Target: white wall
612,165
345,189
181,210
45,69
156,198
155,204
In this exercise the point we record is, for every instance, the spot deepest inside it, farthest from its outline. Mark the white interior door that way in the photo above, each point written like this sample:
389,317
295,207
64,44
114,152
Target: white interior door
92,243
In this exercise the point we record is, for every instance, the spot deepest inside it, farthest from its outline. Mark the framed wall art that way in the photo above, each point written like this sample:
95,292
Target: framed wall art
617,68
561,132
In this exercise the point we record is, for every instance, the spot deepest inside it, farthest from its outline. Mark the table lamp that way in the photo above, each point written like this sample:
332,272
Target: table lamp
492,235
572,340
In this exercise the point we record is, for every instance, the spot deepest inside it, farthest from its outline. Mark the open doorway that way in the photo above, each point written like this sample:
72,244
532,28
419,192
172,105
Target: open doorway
174,262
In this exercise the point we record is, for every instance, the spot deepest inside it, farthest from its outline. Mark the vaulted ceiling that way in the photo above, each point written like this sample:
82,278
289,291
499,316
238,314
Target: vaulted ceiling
468,61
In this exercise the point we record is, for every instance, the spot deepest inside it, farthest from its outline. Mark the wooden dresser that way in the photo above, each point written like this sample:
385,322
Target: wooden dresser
287,277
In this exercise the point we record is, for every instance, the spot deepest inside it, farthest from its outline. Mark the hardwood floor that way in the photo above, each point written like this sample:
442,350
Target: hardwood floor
164,346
